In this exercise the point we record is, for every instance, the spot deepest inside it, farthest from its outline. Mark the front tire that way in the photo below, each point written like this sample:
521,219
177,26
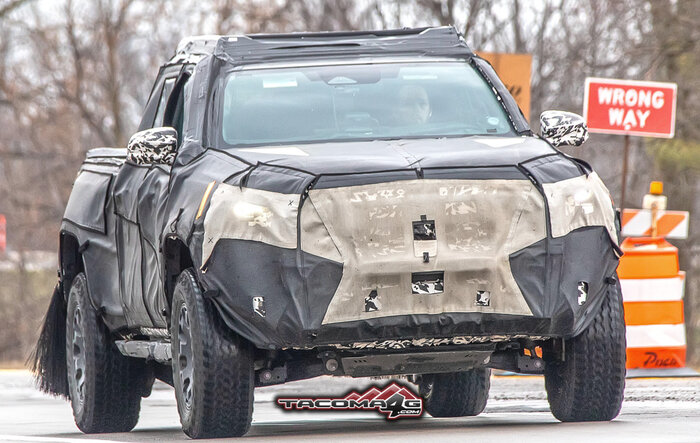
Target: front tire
212,367
589,384
458,394
104,386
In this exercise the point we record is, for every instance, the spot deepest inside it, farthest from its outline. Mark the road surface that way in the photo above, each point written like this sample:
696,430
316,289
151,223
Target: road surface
655,410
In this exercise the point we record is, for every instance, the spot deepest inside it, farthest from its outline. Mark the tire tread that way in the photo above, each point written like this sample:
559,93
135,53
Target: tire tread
589,385
114,402
224,386
458,394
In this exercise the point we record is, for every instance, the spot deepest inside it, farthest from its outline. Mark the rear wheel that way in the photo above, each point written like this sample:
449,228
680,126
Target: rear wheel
105,387
458,394
589,384
212,367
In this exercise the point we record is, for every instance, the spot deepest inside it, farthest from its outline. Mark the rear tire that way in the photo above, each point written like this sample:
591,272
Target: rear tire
212,367
104,386
589,385
458,394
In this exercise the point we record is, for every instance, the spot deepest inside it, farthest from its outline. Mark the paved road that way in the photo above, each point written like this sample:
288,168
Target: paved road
655,410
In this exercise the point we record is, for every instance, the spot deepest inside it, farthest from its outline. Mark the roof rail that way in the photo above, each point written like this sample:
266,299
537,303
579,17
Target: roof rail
439,41
252,48
197,44
337,34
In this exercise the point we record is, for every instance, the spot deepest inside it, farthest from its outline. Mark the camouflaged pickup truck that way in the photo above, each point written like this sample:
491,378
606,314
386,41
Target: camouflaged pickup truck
351,204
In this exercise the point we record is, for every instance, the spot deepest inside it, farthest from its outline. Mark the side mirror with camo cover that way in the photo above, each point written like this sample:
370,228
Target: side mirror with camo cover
561,128
152,146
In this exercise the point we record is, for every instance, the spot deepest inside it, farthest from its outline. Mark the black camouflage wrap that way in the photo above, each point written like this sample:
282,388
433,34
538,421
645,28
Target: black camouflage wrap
136,220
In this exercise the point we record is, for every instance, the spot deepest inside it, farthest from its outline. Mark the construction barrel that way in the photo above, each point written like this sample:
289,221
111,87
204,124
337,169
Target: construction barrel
652,291
653,288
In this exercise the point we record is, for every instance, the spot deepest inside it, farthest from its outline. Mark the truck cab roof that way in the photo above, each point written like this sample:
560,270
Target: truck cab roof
442,41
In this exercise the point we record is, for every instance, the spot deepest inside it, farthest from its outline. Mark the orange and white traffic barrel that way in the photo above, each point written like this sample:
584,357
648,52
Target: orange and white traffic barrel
652,291
652,283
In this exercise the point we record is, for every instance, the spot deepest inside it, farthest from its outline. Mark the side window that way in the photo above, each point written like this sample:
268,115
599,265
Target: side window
175,109
158,99
167,89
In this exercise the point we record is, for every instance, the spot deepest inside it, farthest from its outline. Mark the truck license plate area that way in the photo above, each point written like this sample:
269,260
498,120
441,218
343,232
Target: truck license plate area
428,282
424,230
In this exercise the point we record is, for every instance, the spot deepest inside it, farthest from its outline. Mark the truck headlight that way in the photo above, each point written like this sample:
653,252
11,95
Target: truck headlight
252,213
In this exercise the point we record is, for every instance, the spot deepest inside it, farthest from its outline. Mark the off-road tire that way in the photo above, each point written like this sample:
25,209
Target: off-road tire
219,401
458,394
105,387
589,384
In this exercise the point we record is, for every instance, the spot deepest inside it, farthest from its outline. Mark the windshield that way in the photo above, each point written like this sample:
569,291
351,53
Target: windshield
359,102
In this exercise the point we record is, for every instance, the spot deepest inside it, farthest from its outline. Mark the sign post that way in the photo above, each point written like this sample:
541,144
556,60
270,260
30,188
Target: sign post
627,107
625,161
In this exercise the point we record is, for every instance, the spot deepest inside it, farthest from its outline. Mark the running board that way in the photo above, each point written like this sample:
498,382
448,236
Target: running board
150,350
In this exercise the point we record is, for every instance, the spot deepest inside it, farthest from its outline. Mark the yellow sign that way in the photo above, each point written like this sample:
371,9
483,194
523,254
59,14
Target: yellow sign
514,70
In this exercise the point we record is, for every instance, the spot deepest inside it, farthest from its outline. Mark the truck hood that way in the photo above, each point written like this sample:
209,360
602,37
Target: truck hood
389,155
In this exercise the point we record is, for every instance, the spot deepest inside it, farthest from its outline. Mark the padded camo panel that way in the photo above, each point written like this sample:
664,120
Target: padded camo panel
466,231
579,202
250,214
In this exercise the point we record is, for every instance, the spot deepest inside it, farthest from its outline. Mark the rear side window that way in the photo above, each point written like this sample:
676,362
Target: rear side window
174,113
167,89
158,99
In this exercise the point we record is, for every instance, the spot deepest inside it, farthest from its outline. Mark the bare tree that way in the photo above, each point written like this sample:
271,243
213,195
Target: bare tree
8,6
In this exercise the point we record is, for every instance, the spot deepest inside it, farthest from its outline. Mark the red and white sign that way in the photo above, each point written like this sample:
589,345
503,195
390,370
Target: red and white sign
613,106
669,224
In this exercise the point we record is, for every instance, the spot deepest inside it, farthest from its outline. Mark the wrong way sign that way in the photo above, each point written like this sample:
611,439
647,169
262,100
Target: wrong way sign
613,106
